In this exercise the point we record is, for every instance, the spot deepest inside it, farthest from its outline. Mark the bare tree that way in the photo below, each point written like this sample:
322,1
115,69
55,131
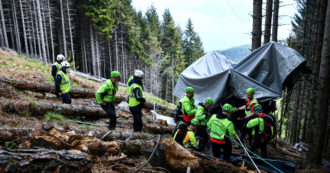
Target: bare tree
51,31
257,22
63,30
43,46
24,30
70,32
268,21
17,36
275,20
3,26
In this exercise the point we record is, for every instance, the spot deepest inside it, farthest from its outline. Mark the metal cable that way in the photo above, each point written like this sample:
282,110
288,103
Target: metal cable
153,152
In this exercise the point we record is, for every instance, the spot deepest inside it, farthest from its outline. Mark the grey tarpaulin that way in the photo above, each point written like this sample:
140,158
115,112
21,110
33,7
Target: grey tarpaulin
265,69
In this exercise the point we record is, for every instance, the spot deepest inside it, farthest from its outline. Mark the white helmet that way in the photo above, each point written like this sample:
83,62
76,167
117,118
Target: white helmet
60,57
138,73
65,64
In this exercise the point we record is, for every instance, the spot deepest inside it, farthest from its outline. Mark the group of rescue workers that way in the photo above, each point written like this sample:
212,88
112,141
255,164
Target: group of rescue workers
106,94
192,124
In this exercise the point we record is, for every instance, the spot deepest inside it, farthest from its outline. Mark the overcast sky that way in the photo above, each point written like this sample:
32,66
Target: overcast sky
221,24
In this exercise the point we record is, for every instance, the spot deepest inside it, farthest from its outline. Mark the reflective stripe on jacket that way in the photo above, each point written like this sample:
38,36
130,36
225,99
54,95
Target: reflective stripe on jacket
219,127
248,106
190,140
132,100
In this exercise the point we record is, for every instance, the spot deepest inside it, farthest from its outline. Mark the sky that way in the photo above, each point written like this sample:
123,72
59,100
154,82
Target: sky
221,24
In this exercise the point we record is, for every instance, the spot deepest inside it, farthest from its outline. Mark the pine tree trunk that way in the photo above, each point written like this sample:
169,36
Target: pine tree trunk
322,101
122,51
70,32
116,47
110,60
3,25
283,101
316,66
97,56
38,32
51,32
275,20
46,38
24,31
93,51
33,33
63,30
85,68
268,21
257,22
41,33
295,114
17,36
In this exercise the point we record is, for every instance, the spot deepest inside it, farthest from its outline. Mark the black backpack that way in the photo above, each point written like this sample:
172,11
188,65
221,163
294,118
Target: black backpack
270,121
178,113
181,130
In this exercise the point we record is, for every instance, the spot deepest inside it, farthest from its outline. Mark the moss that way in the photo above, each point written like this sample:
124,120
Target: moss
52,116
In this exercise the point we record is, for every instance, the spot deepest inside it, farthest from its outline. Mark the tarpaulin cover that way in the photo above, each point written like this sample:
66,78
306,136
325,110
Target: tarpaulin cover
265,69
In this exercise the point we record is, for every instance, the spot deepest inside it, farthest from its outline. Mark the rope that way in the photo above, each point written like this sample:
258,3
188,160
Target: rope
153,152
247,153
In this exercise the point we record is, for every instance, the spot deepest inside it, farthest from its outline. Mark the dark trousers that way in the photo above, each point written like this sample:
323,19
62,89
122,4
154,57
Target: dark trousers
204,137
66,98
136,111
245,130
226,147
111,112
258,143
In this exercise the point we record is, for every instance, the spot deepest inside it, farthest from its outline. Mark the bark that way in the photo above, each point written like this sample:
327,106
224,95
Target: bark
3,25
268,21
24,31
93,51
322,101
257,22
43,160
275,20
38,32
42,36
110,60
283,101
98,72
316,65
63,29
174,157
116,47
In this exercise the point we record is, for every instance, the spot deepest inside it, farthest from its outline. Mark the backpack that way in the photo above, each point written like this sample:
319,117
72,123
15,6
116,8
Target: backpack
178,113
180,130
270,123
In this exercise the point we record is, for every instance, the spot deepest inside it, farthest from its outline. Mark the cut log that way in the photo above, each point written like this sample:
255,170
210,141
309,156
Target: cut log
43,160
176,158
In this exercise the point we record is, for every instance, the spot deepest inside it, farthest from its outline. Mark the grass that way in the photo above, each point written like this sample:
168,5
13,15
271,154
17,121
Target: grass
85,126
52,116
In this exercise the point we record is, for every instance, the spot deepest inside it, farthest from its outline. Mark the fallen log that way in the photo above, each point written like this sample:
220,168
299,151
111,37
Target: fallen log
46,88
43,160
74,92
176,158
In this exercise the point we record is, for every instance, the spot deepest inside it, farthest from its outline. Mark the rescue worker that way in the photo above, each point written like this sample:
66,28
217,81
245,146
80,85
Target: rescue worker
266,128
106,96
56,67
220,127
129,80
63,83
257,125
136,100
190,140
248,107
186,107
179,132
202,121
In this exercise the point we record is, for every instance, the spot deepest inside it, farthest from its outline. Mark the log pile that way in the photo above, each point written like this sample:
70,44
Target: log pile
43,160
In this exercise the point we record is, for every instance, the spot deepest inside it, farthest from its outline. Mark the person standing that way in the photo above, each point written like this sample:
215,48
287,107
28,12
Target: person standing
248,107
201,118
63,83
106,96
56,67
136,100
186,107
221,127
